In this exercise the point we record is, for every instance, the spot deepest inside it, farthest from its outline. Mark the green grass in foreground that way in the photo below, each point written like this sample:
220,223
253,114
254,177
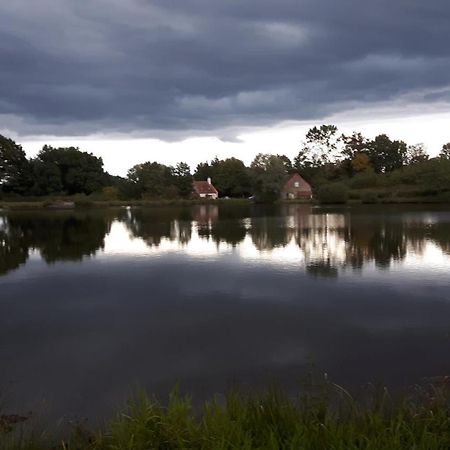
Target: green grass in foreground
329,419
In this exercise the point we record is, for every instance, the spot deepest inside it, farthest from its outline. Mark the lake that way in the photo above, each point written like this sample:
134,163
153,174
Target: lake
95,304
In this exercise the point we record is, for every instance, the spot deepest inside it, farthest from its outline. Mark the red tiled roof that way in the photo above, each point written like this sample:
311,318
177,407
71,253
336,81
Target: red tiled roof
203,187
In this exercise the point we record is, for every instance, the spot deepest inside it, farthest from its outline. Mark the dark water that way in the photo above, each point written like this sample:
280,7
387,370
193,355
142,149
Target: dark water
94,304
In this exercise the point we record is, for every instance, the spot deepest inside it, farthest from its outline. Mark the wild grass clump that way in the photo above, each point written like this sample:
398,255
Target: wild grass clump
322,420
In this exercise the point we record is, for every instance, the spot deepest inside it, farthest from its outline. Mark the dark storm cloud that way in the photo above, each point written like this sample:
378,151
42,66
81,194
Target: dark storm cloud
71,67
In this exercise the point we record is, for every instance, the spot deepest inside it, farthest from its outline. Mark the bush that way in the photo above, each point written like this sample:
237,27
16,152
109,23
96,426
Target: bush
369,197
366,179
333,193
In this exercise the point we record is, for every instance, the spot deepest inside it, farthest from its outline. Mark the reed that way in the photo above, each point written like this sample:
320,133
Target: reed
323,419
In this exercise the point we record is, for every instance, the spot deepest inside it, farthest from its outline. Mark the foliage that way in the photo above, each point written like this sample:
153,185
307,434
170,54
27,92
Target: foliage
79,172
354,145
14,167
360,162
386,155
323,417
366,179
324,158
369,197
320,148
416,154
151,178
229,176
445,151
182,179
46,178
268,176
333,193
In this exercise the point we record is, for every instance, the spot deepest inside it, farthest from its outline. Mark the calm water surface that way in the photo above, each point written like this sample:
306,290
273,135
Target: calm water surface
94,304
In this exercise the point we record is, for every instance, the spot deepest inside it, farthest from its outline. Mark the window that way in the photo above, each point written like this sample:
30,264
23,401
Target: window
297,184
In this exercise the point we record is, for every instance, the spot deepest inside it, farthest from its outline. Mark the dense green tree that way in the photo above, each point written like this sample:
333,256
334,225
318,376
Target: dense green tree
386,155
204,171
182,179
46,178
152,179
14,167
229,176
268,176
81,172
287,162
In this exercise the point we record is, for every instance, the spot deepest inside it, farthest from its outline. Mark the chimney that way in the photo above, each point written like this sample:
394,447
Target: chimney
208,180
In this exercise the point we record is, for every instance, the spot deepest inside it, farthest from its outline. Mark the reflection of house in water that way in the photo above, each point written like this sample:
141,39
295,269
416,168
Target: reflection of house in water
205,213
204,216
323,238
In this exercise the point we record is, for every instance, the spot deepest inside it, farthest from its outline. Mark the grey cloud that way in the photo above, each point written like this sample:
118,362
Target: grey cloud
202,66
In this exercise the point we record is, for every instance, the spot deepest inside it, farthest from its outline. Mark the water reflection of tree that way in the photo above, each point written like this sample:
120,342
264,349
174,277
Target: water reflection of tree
155,224
268,233
322,269
221,225
232,232
333,241
58,236
381,241
68,238
13,249
439,233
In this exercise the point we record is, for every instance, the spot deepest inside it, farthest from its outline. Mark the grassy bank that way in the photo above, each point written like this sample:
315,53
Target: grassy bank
328,418
49,203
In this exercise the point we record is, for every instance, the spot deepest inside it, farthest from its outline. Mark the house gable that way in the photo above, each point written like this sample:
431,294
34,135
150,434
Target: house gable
296,187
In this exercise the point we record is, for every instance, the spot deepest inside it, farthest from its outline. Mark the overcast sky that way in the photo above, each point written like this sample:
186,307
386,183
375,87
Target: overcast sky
171,80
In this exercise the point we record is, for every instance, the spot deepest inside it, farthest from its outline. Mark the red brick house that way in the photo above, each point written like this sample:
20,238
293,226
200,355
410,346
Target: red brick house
296,187
205,189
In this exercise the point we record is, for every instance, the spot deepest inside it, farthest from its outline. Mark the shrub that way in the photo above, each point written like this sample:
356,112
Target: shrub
369,197
366,179
333,193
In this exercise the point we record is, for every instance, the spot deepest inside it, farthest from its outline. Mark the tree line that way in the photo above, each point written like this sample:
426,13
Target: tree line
325,157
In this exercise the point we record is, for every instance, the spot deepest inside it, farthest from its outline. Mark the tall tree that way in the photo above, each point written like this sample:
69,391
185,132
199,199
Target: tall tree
323,144
268,175
386,155
204,171
80,172
151,178
14,167
182,179
231,178
46,178
355,153
354,144
416,154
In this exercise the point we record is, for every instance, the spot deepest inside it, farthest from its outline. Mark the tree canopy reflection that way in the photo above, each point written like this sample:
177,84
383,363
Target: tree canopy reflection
58,236
328,240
